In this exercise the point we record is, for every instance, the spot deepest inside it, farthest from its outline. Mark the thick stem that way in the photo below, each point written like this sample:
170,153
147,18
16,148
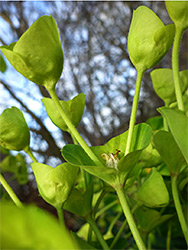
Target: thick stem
130,219
134,111
175,67
178,207
10,192
29,152
72,128
98,233
61,217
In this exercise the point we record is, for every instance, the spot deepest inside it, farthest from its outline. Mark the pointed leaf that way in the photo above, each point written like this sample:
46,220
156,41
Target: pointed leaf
153,192
178,124
169,151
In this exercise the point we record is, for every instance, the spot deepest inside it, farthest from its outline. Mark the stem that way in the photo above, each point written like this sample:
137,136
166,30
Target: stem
122,228
98,233
168,240
130,219
29,152
113,203
101,196
134,111
72,128
10,191
118,234
61,217
178,207
175,67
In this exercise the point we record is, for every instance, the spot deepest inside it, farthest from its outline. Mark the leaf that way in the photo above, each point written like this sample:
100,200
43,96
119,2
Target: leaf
153,192
178,124
79,203
54,184
155,122
81,243
169,151
73,108
75,155
163,84
32,228
149,219
3,66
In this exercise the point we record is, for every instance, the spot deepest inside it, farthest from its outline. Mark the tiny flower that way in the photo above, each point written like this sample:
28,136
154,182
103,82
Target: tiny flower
38,54
149,39
14,130
111,159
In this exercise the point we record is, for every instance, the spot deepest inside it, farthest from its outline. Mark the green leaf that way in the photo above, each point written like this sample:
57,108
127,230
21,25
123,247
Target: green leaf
3,66
73,108
79,203
75,155
178,12
149,39
15,133
163,84
54,184
38,54
169,151
155,122
149,219
32,228
81,243
178,124
153,192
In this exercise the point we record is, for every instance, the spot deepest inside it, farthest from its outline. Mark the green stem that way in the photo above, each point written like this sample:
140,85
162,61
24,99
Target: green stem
118,234
61,217
130,219
178,207
168,240
98,233
101,196
10,192
165,124
72,128
122,228
113,203
29,152
134,111
175,67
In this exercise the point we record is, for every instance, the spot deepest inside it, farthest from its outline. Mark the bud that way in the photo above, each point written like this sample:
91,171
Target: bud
178,12
149,39
14,133
38,54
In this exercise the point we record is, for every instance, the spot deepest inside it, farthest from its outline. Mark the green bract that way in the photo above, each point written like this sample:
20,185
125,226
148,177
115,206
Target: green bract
149,39
54,184
178,12
14,133
74,109
38,54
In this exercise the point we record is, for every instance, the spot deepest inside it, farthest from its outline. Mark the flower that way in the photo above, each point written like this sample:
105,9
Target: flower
148,39
38,54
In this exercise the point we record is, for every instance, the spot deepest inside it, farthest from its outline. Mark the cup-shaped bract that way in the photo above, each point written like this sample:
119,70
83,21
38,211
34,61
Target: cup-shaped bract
178,12
38,54
55,184
149,39
14,133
